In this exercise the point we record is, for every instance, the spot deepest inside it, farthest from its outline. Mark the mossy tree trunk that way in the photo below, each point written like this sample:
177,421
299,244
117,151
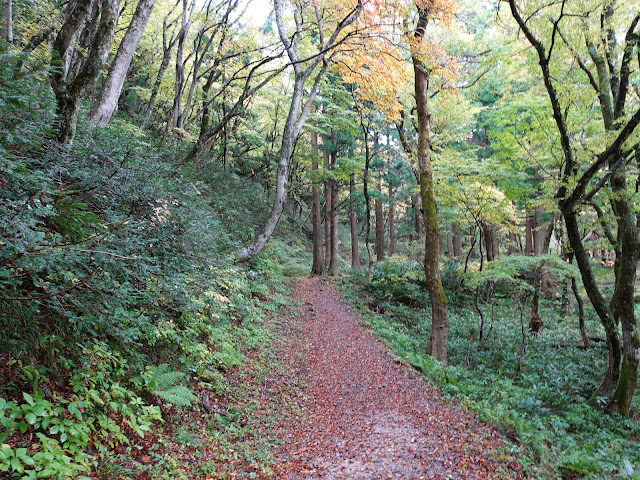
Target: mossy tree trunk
439,311
579,186
622,303
70,89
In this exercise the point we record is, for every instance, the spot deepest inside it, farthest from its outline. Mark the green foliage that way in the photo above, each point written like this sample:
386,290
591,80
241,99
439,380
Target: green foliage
534,389
116,289
162,383
62,434
396,279
515,272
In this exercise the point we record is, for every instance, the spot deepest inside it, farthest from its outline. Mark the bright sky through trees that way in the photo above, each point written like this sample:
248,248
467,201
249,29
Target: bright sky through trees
258,11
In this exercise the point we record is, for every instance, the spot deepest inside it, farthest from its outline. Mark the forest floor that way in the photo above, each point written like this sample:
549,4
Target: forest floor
364,415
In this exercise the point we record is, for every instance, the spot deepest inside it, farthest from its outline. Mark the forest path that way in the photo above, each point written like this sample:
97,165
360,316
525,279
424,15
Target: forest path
364,415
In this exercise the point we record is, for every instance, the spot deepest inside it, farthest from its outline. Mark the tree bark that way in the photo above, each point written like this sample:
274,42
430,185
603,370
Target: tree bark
167,47
353,217
317,267
439,310
538,232
580,302
107,101
457,240
187,19
71,90
379,223
326,163
513,244
7,20
622,302
528,235
418,223
225,134
365,191
489,241
392,221
333,211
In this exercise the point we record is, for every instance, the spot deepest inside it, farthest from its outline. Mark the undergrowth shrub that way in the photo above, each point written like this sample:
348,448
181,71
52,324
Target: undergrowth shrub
119,300
533,387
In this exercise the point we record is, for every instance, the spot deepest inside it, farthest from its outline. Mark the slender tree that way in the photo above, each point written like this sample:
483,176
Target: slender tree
608,79
379,219
71,86
353,222
107,101
7,20
303,69
317,267
439,311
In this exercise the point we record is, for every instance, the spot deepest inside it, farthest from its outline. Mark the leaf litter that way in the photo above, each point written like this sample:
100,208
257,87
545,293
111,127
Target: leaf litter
365,416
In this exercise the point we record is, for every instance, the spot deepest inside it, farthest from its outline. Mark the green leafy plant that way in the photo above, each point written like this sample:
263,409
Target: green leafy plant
162,382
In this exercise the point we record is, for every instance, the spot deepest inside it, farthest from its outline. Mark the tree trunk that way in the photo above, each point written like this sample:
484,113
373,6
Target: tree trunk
294,122
177,120
457,240
333,192
538,232
528,235
439,314
7,20
609,382
392,221
581,326
367,202
489,241
622,301
379,224
108,100
71,90
365,191
353,217
288,133
513,244
225,135
418,222
327,204
167,47
316,219
449,245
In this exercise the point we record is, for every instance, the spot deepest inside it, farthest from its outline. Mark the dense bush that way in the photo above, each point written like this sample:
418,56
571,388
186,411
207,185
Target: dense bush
119,302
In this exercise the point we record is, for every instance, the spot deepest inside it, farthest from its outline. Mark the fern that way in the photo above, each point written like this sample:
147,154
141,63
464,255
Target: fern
162,382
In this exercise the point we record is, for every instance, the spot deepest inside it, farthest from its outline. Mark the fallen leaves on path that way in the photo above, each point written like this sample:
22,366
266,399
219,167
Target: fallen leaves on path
365,416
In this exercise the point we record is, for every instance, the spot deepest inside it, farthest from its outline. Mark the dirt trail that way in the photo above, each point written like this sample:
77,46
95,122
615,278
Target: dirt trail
367,417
